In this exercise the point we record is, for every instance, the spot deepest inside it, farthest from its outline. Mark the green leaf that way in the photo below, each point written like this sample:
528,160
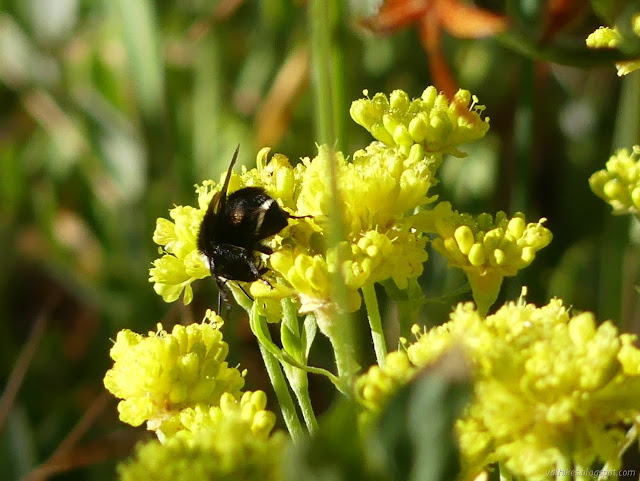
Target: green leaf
335,454
309,333
414,438
292,344
608,10
140,32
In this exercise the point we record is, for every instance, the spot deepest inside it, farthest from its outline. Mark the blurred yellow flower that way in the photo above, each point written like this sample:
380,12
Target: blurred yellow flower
605,37
548,386
232,442
619,183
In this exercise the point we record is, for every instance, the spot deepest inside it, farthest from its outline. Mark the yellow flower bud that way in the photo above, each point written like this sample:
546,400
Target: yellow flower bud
464,237
619,184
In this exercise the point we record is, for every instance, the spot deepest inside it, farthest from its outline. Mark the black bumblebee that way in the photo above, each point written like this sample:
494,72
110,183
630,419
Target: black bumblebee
232,231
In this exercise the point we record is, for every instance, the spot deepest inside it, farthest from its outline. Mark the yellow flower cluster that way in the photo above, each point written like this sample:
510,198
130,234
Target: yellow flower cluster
548,386
378,192
605,37
159,375
619,183
231,442
251,407
486,249
432,121
382,193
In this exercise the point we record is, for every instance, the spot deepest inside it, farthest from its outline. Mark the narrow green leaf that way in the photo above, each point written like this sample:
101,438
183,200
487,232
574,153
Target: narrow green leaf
140,29
414,438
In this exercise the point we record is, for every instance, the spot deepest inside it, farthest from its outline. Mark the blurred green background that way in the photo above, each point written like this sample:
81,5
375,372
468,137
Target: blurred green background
110,112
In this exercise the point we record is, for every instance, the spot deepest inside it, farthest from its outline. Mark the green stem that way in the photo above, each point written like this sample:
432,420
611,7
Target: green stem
560,54
326,64
505,474
328,70
339,332
321,60
274,370
581,472
298,379
300,384
615,231
337,42
375,322
279,384
563,469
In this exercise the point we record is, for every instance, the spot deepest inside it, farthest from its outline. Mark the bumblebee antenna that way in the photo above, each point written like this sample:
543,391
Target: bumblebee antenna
223,193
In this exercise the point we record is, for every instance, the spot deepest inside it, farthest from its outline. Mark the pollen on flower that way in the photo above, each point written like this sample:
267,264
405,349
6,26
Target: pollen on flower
163,373
619,183
547,385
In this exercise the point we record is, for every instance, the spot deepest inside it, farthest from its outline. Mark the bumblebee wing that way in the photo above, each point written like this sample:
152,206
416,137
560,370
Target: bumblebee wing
223,193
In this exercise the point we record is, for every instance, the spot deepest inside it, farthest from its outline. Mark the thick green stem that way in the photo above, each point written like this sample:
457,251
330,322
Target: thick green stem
375,322
615,232
279,384
323,19
338,330
328,74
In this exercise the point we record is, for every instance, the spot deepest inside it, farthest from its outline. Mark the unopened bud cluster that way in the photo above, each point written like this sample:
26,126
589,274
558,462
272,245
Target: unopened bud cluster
619,183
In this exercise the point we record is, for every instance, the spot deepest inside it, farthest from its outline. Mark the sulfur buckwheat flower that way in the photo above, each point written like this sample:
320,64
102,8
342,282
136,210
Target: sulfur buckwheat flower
619,183
251,407
487,249
159,375
432,121
379,191
606,37
232,441
548,386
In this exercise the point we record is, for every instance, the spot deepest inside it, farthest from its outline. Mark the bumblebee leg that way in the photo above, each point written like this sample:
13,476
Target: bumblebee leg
245,292
264,249
222,295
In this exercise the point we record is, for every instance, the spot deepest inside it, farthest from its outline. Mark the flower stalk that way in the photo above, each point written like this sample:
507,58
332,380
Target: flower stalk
375,322
289,413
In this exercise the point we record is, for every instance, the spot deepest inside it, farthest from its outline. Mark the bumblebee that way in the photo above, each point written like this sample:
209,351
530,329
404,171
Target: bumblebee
233,229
